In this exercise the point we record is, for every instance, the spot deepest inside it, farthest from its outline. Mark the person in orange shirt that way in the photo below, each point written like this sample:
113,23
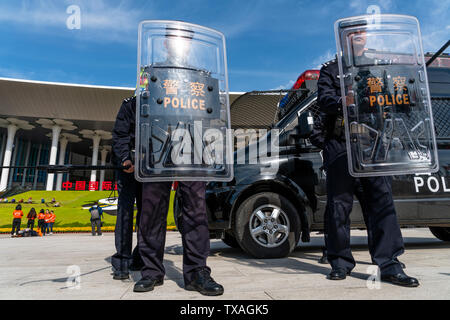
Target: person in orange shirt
41,221
52,221
17,220
47,221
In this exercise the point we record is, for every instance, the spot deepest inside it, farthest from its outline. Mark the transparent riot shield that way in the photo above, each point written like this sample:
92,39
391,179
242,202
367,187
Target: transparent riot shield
386,102
182,115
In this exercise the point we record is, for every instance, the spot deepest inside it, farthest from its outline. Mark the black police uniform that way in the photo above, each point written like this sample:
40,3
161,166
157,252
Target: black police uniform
317,138
386,239
128,188
153,225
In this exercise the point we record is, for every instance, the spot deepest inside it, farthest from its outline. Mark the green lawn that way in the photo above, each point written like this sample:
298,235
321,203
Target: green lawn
69,214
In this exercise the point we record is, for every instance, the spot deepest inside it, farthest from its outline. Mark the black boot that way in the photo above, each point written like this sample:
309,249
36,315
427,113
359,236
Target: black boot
400,279
121,275
203,283
338,274
147,284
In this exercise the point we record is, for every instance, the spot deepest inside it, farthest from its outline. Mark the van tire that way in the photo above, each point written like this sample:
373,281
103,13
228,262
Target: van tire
442,233
230,240
257,244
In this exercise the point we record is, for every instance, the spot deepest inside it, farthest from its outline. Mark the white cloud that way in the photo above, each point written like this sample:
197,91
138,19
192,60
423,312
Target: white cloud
434,31
99,19
317,63
11,73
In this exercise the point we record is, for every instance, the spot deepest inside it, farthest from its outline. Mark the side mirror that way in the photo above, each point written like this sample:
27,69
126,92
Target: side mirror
305,124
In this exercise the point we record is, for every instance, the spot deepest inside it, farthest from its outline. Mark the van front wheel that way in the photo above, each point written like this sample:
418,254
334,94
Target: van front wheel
267,226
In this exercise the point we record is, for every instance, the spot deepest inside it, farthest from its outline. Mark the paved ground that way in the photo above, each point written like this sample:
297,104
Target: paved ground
37,268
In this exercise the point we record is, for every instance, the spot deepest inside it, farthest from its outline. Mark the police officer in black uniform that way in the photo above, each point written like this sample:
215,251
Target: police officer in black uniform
385,231
129,191
318,138
153,222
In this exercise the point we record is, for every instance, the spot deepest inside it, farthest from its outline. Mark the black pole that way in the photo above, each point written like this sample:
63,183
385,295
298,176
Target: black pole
437,54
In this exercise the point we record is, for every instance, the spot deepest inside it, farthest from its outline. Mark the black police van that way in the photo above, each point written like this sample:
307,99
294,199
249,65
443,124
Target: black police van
266,214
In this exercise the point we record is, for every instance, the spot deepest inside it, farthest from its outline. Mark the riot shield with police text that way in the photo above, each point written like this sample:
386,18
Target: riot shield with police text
182,115
386,102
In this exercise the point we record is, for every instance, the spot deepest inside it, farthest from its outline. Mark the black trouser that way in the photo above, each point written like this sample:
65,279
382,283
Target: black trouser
41,225
386,238
30,224
152,228
359,193
16,225
96,223
129,190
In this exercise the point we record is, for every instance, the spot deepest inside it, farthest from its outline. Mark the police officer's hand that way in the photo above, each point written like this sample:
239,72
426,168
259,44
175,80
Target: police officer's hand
131,166
350,98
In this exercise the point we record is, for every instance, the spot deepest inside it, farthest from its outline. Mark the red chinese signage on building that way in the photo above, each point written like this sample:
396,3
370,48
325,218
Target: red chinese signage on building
89,185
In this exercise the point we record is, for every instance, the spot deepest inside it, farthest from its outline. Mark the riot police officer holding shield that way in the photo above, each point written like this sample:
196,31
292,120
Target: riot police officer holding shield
129,189
341,87
185,97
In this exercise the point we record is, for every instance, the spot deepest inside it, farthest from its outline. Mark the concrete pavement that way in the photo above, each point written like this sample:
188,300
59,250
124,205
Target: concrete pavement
39,268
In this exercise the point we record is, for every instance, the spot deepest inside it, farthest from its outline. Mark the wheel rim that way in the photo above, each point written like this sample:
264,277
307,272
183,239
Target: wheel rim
269,226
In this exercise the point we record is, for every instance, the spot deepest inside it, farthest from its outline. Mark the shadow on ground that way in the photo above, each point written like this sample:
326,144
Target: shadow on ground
63,280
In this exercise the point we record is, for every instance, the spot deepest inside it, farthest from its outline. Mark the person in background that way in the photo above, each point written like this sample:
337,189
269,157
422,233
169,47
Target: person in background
47,221
41,221
31,217
30,200
96,218
17,219
52,221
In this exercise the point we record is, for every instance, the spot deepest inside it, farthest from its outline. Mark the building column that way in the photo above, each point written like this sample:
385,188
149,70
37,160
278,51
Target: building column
27,158
12,129
3,147
62,155
56,130
36,171
96,143
104,154
13,162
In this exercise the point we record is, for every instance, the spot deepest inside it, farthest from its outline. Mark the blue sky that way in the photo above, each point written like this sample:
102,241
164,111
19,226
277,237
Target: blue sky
269,43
